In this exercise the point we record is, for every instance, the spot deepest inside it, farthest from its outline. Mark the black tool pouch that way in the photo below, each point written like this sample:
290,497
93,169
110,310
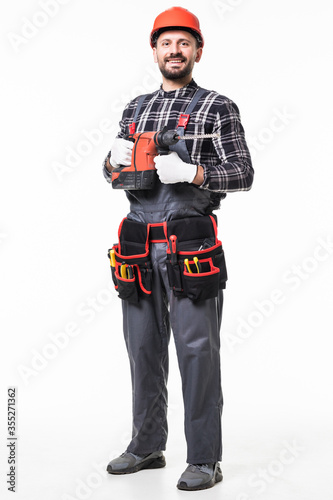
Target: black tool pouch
132,252
198,275
127,288
187,281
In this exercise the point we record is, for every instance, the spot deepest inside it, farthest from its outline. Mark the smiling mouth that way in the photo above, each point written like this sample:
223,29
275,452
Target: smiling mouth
175,61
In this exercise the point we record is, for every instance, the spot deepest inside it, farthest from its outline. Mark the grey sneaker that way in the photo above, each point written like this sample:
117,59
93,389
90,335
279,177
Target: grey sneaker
128,463
200,477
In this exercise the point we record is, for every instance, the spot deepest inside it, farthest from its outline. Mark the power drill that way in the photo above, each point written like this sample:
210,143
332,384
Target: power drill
141,174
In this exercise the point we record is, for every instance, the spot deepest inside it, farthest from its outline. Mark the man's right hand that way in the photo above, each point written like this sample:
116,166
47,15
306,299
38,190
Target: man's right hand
121,153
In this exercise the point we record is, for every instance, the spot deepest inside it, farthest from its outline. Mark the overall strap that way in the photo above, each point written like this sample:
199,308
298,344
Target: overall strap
180,147
137,111
184,117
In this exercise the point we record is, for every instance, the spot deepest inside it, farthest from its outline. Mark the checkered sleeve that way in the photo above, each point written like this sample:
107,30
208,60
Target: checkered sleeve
235,171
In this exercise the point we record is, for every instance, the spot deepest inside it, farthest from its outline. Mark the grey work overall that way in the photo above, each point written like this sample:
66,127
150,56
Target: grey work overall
195,326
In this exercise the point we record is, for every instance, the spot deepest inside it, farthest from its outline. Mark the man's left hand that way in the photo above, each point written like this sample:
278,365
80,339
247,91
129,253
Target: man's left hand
171,169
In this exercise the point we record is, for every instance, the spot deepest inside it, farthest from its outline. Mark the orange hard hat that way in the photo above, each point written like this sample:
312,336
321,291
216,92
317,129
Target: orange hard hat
176,18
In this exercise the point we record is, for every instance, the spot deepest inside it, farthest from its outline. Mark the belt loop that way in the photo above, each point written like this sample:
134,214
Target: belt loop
157,233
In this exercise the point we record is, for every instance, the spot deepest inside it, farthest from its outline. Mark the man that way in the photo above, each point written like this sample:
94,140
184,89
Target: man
181,286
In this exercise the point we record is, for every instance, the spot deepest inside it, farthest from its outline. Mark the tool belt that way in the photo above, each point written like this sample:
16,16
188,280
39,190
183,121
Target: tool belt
195,258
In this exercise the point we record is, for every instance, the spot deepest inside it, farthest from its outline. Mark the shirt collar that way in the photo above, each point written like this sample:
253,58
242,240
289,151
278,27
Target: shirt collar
182,92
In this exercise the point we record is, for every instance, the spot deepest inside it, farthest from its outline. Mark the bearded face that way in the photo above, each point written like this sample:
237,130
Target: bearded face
176,52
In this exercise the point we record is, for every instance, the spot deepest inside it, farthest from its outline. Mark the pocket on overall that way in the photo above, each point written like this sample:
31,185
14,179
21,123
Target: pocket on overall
201,279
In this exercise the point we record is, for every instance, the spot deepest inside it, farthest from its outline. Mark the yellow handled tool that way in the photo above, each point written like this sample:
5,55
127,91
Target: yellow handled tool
197,264
188,266
126,271
112,257
123,271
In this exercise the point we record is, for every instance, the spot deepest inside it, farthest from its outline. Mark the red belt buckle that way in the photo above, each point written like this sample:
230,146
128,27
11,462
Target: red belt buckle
183,120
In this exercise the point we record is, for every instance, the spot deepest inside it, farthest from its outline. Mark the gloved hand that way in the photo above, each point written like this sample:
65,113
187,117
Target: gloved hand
121,153
171,169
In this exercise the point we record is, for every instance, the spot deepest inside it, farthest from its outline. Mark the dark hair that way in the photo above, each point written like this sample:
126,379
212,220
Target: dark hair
181,28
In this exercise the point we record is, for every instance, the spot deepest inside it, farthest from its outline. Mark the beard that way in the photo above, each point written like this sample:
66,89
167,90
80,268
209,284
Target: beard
175,73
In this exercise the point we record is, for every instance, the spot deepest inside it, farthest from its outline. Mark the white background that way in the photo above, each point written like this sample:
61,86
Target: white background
65,73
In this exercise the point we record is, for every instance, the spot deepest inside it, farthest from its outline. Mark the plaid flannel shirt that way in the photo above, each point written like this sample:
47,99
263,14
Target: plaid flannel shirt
225,160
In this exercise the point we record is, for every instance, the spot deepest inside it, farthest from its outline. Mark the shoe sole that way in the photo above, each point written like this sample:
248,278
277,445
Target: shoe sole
152,463
216,479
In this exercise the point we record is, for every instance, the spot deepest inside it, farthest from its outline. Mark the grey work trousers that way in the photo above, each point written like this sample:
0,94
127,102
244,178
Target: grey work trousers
196,330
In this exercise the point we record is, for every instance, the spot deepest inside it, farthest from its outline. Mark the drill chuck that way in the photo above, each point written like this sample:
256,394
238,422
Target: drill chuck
165,138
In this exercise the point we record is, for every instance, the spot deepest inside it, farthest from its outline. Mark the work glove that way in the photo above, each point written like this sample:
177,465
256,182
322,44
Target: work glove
171,169
121,153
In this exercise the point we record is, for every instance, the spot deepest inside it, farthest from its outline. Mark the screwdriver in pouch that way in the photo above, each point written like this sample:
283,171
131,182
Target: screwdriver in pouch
173,249
187,264
197,264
